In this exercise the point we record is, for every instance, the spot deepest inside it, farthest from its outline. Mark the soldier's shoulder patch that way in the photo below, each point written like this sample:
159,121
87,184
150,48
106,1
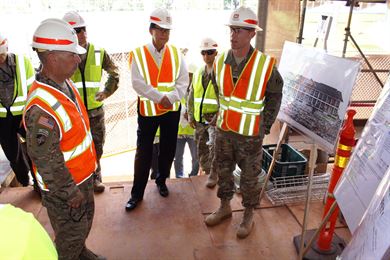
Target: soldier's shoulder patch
46,122
41,136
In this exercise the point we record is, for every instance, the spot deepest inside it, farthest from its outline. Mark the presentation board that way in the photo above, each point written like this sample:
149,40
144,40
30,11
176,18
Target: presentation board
316,93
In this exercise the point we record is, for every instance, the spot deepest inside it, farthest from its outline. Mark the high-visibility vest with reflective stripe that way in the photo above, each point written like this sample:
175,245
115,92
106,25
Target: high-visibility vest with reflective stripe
92,77
75,135
187,130
242,103
23,80
207,100
162,78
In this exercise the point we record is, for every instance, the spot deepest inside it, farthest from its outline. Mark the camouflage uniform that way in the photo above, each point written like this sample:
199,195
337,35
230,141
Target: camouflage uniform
71,225
246,151
205,152
10,125
96,116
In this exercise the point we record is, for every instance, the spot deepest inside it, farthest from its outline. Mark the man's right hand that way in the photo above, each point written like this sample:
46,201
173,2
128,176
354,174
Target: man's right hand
77,199
165,102
192,123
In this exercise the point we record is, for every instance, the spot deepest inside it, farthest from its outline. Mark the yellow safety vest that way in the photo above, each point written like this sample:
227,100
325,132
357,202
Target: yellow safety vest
186,130
23,80
205,102
23,237
92,77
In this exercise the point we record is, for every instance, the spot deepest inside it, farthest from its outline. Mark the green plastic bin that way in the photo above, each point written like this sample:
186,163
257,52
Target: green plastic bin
289,162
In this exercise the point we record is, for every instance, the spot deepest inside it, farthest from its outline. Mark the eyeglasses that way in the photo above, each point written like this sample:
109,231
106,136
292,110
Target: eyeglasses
208,52
162,30
79,29
240,29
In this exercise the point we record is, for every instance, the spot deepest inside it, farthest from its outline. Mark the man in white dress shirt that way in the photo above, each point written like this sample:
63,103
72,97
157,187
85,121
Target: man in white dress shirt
160,78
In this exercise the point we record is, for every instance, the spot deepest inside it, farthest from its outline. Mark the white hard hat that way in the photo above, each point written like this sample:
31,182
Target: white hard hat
162,18
55,34
208,44
3,44
74,19
244,17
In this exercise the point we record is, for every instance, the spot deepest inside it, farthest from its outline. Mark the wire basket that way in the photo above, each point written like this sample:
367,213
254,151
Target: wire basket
293,189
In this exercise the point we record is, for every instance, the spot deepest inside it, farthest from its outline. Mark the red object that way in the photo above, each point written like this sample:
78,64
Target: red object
52,41
344,150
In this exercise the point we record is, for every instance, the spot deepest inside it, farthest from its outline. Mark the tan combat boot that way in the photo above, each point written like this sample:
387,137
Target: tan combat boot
212,180
98,187
247,224
224,212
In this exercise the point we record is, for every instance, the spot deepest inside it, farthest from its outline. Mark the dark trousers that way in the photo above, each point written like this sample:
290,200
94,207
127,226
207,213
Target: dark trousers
12,147
147,127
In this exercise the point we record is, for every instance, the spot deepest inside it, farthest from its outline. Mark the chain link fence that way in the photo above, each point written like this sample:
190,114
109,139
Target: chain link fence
121,111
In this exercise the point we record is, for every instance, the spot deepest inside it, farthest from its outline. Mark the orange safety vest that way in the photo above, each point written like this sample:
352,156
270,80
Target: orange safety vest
162,78
75,135
241,104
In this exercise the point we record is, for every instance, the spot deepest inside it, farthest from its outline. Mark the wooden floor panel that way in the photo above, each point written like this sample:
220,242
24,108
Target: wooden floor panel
173,227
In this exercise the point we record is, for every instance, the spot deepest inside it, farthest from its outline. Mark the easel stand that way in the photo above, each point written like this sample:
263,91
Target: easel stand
305,247
349,35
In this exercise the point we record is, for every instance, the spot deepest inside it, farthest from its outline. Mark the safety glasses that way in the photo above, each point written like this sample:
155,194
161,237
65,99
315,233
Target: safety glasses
208,52
79,29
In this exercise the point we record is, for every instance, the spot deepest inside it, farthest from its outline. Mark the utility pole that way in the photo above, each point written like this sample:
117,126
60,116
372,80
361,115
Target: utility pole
262,12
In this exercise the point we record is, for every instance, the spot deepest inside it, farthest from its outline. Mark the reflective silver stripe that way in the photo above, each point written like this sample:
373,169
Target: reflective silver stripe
145,104
166,84
79,149
40,181
53,102
145,63
253,75
16,108
172,61
97,57
88,84
252,124
246,110
210,101
23,80
139,66
242,124
262,78
30,80
221,77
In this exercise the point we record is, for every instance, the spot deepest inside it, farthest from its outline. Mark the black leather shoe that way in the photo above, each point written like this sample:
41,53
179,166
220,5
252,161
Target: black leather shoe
163,189
131,204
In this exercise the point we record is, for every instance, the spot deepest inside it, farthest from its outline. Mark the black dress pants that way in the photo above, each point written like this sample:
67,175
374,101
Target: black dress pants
147,127
12,147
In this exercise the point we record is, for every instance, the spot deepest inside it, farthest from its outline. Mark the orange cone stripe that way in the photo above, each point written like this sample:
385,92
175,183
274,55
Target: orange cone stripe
341,161
52,41
344,147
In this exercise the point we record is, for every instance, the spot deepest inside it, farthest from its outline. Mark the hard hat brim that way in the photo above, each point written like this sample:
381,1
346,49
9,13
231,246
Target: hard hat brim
164,26
80,50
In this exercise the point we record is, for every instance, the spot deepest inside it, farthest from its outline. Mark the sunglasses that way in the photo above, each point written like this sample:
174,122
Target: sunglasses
208,52
79,29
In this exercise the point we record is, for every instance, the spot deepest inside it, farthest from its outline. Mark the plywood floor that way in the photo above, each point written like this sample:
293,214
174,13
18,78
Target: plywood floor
173,227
